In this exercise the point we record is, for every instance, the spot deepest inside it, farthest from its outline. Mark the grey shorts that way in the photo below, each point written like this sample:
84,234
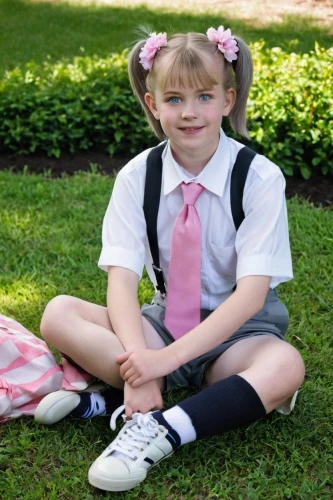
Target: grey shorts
273,319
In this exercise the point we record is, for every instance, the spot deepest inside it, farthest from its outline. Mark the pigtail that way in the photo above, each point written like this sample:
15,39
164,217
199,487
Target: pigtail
243,75
138,77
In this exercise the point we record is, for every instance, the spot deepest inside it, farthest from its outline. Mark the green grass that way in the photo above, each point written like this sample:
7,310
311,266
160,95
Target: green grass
34,30
50,239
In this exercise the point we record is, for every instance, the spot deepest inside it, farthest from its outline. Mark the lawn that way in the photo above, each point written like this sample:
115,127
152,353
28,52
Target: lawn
49,244
50,239
34,29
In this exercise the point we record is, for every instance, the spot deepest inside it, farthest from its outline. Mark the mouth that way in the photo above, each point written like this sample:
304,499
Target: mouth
190,129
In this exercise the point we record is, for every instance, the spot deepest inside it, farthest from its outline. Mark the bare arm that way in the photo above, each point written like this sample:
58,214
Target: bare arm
124,309
126,321
248,299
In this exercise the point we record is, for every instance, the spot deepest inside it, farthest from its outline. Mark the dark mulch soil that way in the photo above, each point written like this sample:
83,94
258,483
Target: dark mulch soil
318,189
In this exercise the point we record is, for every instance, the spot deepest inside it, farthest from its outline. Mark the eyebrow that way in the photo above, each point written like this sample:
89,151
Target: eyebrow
174,92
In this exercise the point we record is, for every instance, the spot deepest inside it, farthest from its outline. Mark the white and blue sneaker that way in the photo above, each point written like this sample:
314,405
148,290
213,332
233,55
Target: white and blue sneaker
60,404
142,443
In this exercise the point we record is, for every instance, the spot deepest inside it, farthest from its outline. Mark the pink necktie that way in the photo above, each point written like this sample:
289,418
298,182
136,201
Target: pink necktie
184,283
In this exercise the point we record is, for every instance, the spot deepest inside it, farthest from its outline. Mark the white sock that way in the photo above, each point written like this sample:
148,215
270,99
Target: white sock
181,423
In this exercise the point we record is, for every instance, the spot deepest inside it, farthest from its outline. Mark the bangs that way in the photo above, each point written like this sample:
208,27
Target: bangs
187,70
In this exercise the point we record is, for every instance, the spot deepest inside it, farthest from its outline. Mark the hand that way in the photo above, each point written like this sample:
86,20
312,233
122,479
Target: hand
142,365
142,399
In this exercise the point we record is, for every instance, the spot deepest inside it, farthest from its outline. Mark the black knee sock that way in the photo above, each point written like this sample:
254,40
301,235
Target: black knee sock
113,399
223,406
88,407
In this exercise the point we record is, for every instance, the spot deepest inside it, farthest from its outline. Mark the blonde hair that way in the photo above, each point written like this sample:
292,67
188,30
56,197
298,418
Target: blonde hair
187,66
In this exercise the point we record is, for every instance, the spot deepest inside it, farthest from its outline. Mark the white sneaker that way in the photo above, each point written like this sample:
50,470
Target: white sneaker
56,406
141,444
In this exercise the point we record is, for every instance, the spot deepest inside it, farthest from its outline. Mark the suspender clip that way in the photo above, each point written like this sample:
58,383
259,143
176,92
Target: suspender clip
160,280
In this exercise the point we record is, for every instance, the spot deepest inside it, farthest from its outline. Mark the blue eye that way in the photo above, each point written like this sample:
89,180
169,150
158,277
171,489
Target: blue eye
205,97
174,100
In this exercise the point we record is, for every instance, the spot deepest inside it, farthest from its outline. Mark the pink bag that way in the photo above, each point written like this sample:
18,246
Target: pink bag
29,371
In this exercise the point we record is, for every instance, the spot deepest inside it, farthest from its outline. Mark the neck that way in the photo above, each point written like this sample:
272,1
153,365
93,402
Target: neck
193,161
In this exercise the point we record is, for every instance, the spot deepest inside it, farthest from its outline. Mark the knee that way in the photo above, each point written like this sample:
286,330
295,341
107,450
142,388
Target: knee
290,368
56,311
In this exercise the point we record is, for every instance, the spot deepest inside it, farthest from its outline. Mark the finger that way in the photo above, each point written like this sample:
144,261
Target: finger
132,379
159,405
121,358
137,382
128,411
129,373
125,367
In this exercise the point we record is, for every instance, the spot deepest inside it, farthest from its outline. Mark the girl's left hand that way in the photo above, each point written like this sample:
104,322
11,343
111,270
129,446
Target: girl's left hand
142,365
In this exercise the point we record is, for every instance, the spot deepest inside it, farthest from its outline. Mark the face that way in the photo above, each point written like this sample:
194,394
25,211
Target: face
191,118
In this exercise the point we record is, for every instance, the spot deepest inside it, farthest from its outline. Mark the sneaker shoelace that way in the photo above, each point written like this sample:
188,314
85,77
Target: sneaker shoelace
115,415
139,433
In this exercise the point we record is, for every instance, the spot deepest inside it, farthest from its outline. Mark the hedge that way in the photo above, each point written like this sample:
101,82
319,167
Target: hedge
291,108
89,104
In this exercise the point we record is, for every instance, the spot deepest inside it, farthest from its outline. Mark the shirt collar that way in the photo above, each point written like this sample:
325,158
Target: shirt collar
213,177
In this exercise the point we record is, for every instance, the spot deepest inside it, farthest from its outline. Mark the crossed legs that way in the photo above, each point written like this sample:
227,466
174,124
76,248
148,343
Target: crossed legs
250,379
83,331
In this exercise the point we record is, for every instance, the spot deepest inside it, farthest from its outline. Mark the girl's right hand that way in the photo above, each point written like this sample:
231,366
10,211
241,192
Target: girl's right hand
142,399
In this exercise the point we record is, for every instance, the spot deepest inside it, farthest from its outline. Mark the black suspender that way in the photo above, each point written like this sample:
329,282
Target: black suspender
151,204
237,183
153,193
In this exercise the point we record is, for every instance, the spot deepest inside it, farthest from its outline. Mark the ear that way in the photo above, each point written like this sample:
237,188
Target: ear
151,103
229,101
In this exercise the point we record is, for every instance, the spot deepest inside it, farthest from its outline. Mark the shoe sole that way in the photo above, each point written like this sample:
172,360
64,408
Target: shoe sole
56,406
104,482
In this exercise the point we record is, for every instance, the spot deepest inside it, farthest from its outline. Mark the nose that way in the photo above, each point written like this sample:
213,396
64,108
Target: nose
189,111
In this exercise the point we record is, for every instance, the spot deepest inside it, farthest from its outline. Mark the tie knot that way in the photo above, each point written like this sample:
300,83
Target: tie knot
191,192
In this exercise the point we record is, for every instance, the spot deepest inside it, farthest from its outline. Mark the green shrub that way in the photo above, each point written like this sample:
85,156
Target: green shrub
291,108
69,107
89,104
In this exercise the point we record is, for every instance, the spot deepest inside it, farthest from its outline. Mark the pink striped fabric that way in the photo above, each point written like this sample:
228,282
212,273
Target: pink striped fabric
29,371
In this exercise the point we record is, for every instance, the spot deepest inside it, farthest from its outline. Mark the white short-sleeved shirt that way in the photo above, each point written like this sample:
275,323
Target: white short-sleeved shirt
260,247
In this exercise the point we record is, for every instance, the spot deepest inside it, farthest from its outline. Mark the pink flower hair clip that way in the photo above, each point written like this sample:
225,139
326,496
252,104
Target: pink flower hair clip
148,51
225,41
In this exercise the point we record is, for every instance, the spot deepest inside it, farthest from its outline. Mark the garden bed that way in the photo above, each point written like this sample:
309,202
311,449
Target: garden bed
318,189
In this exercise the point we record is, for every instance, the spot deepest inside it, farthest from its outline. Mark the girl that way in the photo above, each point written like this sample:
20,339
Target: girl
206,333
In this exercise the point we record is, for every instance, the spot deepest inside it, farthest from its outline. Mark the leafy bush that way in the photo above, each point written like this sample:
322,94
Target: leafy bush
58,107
89,104
291,108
